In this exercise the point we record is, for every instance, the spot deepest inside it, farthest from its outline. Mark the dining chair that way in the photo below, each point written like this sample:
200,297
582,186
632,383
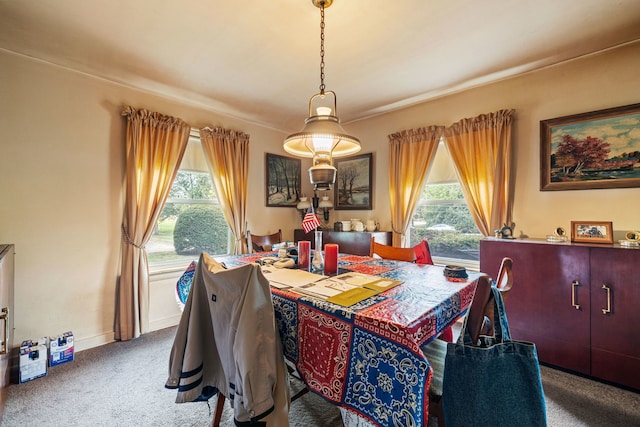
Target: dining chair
504,282
261,243
217,415
420,254
423,253
436,350
504,279
391,252
227,340
423,256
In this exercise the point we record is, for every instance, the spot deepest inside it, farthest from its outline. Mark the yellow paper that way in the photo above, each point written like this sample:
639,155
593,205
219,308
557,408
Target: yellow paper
352,296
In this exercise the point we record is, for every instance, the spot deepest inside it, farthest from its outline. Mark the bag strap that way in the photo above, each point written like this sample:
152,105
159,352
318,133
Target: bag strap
500,322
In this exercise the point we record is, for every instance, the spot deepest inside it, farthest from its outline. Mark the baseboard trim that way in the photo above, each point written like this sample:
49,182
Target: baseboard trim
94,341
107,337
167,322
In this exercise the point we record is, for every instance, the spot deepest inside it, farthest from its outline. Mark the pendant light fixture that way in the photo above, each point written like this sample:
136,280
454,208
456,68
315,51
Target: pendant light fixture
322,138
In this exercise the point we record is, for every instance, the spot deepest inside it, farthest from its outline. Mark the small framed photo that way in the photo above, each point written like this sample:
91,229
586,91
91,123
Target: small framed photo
282,181
592,231
354,182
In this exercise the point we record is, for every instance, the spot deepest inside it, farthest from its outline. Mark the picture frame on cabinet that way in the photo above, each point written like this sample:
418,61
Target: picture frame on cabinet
594,150
592,231
353,189
282,181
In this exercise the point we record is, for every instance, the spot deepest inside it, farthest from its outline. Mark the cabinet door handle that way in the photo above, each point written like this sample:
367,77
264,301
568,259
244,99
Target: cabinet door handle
573,294
4,316
608,309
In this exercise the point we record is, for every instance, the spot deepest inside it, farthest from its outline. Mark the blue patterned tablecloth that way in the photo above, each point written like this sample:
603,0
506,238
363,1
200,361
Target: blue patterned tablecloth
367,358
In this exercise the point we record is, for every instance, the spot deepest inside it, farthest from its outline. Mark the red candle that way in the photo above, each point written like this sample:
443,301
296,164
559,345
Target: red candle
330,258
304,248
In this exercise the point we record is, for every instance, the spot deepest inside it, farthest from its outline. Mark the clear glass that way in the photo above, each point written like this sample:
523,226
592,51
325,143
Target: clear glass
442,217
317,265
191,221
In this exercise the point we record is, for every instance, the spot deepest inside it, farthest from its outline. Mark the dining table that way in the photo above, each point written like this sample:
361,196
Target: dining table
367,358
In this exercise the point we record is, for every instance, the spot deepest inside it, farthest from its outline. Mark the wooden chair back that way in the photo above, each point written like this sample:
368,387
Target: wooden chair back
260,243
504,280
504,283
476,314
436,350
391,252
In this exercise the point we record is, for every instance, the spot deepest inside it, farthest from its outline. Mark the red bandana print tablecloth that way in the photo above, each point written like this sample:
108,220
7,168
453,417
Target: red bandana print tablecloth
367,357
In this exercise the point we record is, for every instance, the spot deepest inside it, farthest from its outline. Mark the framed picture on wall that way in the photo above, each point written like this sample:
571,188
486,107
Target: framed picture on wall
282,181
354,185
599,149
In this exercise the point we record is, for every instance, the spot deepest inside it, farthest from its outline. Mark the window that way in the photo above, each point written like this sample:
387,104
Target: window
192,220
442,216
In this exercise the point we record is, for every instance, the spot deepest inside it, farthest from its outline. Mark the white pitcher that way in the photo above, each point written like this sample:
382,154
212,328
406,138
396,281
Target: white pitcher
372,225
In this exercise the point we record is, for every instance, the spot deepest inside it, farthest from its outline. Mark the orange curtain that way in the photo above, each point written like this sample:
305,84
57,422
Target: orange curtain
481,151
227,154
411,153
155,145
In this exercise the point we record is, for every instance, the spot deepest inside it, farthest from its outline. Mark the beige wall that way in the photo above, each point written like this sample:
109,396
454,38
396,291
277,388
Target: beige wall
601,81
61,157
62,160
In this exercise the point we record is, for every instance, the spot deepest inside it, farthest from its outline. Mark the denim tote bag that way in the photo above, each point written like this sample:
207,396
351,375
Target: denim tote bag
494,382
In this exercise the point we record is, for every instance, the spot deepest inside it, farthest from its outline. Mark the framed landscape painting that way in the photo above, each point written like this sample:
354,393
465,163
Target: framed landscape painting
353,187
599,149
282,181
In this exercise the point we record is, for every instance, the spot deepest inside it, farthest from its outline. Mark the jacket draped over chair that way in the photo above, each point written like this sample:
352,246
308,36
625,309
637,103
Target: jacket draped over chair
227,341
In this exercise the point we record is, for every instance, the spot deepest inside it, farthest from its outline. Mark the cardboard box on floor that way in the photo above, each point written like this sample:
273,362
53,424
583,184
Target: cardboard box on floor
61,349
33,359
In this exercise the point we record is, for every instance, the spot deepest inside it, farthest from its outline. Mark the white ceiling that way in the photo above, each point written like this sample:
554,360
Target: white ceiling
259,60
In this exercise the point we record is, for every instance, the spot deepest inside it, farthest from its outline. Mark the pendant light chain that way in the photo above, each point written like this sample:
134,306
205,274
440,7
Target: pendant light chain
322,138
322,48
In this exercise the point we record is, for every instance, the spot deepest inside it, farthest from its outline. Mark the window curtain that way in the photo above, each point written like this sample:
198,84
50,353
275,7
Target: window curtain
155,145
411,154
481,148
227,153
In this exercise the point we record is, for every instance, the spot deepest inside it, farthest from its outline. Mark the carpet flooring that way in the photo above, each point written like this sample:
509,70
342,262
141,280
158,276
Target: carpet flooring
122,384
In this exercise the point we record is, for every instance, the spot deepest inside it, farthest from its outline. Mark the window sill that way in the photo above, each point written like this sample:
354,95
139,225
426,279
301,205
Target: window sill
468,264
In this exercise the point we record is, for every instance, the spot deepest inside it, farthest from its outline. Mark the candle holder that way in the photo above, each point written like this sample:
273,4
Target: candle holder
317,265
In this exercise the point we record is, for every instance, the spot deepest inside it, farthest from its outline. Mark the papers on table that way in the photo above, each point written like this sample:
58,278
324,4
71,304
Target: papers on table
375,283
345,289
284,278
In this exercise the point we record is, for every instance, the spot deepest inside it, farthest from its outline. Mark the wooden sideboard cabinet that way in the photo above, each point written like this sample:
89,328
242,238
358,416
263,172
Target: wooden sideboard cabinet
579,303
349,242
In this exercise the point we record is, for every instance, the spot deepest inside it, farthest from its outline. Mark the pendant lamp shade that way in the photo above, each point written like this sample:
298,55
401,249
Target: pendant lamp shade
322,133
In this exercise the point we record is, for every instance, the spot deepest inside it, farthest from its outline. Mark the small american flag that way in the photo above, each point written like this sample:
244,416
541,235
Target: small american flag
310,221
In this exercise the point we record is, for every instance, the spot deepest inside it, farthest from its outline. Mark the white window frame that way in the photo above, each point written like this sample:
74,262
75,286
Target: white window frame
181,264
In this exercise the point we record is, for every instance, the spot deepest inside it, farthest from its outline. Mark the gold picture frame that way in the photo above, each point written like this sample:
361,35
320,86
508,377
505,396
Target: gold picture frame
592,231
598,149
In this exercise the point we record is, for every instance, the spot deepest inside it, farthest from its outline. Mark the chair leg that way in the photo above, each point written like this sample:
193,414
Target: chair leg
299,394
218,413
303,391
435,409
